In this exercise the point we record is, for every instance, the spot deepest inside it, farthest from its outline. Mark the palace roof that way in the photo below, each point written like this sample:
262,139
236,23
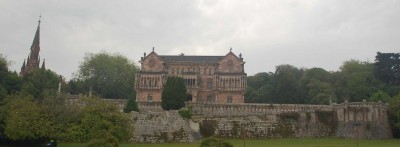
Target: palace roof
183,58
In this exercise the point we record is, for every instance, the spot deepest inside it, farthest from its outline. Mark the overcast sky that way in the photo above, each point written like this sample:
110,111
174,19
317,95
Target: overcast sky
304,33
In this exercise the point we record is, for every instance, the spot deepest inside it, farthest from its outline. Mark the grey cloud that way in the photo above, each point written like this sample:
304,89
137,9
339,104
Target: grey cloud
267,33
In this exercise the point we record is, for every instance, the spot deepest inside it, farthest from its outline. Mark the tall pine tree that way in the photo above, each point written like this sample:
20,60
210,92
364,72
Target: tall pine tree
174,93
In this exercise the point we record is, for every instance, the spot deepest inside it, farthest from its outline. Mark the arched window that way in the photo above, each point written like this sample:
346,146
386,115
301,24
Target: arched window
229,99
149,98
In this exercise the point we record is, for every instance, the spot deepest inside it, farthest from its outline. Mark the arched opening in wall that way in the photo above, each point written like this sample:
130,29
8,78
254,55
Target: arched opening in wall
189,97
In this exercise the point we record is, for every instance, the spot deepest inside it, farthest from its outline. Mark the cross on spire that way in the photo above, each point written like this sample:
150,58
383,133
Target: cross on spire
40,17
230,49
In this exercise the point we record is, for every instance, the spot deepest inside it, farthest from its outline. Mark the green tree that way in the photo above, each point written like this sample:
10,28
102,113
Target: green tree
99,117
320,92
379,95
317,74
387,70
387,67
10,82
287,86
131,105
260,88
317,84
24,119
394,109
3,68
78,86
3,93
59,115
173,94
356,80
110,75
41,82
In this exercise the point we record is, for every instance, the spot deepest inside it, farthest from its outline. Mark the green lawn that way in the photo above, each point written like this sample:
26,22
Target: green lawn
287,142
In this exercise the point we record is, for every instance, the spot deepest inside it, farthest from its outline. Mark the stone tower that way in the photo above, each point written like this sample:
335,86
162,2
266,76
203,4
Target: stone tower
33,60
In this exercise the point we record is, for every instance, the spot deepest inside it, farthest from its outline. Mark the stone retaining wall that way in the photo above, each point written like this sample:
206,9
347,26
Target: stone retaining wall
160,127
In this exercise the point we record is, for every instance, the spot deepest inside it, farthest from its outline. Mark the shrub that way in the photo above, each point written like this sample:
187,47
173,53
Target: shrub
207,127
130,106
186,113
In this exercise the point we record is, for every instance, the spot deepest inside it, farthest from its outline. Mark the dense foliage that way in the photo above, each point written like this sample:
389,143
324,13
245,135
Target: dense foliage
355,81
52,119
131,106
32,112
98,118
109,76
41,83
174,94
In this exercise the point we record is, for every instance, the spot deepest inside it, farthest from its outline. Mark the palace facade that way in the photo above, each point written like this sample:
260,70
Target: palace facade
211,79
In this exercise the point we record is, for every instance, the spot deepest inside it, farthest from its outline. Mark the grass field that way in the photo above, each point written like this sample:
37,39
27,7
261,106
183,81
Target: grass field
287,142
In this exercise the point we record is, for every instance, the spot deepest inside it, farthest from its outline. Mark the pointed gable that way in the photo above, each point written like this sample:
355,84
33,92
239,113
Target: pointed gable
230,63
152,63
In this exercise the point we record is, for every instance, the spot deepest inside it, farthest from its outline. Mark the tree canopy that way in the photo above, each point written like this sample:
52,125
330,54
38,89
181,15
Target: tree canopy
109,76
387,67
41,83
174,94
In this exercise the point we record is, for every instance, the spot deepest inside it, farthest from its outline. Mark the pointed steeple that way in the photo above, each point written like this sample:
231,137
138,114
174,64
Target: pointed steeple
33,59
23,66
43,64
35,47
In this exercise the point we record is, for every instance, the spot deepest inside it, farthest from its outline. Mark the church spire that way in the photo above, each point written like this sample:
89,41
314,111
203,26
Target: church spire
43,64
35,48
33,60
23,66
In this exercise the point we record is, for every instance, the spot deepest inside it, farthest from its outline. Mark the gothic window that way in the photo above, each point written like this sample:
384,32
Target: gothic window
229,99
150,82
209,71
209,85
149,98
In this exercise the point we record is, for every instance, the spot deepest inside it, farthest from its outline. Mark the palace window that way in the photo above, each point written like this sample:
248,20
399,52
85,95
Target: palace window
229,99
149,98
209,85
